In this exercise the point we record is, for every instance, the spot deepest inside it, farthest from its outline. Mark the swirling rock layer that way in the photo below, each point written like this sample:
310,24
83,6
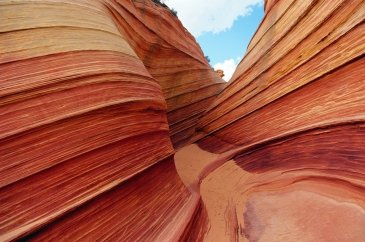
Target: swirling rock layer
95,95
85,87
289,131
172,56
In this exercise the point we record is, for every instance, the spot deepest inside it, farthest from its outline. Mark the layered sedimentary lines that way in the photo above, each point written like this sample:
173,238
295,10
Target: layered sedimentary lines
174,59
305,56
296,188
289,130
159,195
95,94
80,112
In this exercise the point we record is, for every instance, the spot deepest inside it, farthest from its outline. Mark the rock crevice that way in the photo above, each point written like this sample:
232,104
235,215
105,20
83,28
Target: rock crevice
114,126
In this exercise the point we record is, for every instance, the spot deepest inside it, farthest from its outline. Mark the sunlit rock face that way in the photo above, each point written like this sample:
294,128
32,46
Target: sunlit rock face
172,56
95,95
90,93
268,4
289,129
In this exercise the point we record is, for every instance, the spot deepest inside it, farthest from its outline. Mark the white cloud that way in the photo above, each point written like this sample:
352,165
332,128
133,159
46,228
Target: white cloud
200,16
228,66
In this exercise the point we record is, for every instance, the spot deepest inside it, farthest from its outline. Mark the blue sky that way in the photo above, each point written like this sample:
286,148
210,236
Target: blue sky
222,28
232,43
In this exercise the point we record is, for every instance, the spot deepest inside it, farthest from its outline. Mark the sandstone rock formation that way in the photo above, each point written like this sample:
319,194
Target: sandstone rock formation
85,88
220,73
290,126
171,56
95,95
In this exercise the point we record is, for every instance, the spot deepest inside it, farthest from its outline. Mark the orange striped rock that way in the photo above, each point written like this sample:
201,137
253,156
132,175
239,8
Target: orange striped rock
101,100
90,93
288,131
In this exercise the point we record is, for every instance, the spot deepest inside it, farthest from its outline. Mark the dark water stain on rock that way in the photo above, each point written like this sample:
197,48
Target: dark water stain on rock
253,227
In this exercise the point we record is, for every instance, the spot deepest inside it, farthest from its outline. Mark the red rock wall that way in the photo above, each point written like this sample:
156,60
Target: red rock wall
85,87
289,129
172,56
142,209
93,92
299,73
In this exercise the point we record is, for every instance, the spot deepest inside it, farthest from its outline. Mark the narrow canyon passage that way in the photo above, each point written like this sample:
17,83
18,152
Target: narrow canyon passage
114,127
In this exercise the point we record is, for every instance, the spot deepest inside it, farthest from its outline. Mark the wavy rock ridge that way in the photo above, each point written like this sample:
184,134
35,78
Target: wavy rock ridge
95,95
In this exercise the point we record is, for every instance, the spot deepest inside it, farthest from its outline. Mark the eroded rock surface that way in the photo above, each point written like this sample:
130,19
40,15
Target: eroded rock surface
97,96
291,127
91,92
